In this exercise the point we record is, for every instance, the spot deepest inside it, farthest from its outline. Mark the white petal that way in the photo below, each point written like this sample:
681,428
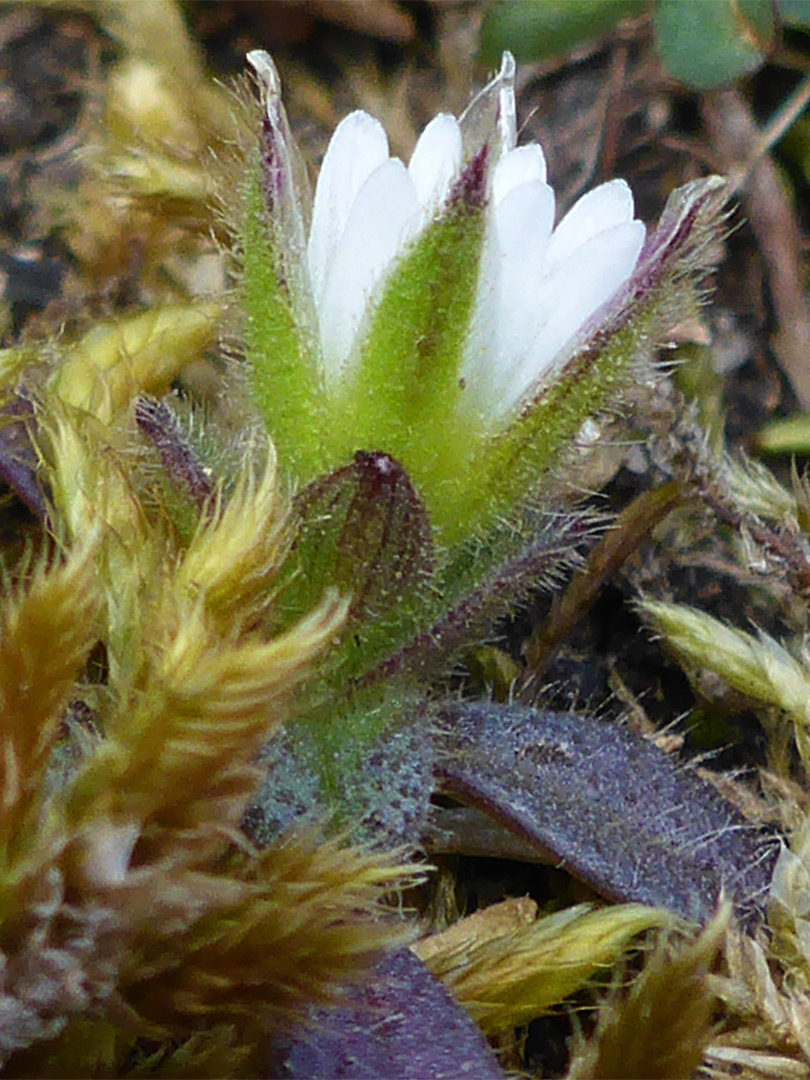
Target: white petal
606,206
436,160
484,333
358,146
587,279
382,219
523,220
523,223
523,226
520,166
512,265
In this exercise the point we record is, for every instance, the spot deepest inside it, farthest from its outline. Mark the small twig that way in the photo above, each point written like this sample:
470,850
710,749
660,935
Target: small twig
743,149
614,115
773,131
631,529
781,547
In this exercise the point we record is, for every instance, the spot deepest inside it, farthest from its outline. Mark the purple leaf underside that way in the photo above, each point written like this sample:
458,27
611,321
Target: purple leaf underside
401,1025
611,808
18,458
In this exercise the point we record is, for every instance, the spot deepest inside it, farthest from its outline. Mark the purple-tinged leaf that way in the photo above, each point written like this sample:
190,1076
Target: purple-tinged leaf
18,459
401,1025
555,546
611,808
180,461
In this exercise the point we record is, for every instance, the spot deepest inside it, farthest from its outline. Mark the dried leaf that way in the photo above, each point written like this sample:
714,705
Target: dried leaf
115,361
631,529
509,975
492,922
657,1031
46,633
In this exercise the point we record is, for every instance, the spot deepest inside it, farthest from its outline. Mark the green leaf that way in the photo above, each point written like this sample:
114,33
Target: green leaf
790,436
534,29
711,44
794,12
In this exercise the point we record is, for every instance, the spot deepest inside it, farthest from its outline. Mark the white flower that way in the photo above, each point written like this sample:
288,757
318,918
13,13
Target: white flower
537,286
367,208
433,313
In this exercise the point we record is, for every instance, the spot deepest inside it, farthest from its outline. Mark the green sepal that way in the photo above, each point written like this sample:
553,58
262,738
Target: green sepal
403,397
363,530
280,349
511,465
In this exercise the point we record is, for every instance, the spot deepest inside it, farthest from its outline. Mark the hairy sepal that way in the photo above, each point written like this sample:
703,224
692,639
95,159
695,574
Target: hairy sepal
279,345
364,530
269,238
405,394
